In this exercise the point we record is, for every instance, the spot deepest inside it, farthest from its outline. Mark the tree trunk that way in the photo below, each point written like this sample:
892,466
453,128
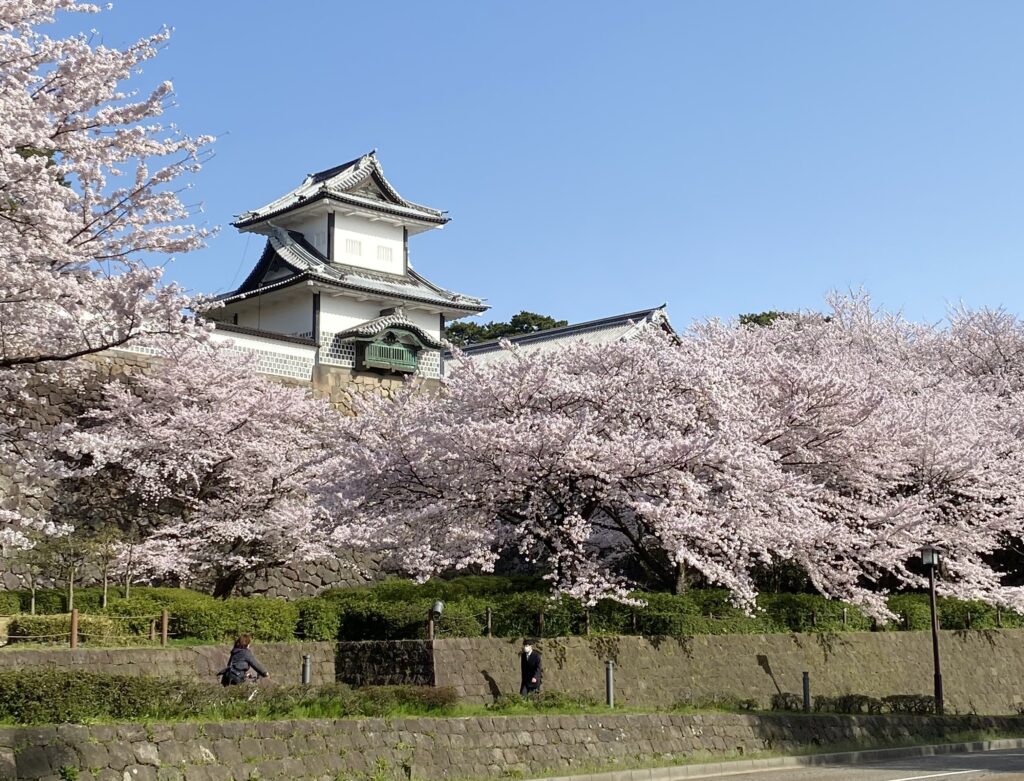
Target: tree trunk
71,589
225,584
128,573
680,586
32,594
103,600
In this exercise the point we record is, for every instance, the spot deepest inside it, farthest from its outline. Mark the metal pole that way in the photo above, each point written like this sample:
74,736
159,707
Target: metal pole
939,705
609,682
164,621
430,625
307,669
807,692
74,628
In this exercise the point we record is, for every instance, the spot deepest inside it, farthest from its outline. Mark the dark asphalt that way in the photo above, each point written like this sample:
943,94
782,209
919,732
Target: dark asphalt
1002,765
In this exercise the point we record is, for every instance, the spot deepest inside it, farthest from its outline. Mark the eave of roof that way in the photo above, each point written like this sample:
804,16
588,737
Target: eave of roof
341,184
309,265
237,329
362,203
379,325
567,330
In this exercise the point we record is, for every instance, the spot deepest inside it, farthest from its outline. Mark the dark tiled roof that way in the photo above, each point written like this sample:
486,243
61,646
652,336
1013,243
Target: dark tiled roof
341,184
616,326
237,329
378,325
289,250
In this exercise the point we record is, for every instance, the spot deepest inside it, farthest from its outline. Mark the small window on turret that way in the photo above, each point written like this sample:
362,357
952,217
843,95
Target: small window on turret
384,253
353,247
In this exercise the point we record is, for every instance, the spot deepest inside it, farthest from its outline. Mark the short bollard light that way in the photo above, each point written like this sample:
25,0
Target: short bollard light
807,692
432,615
307,669
609,682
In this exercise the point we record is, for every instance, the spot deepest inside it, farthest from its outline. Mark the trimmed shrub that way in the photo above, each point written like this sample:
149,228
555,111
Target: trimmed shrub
811,613
318,619
912,612
48,601
10,603
787,701
849,703
909,703
56,629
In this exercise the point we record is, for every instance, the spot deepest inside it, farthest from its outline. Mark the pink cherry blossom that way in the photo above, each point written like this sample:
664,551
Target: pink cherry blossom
90,187
216,465
842,443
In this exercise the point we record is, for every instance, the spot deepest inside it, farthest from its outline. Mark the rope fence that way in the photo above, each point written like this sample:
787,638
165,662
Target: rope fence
158,629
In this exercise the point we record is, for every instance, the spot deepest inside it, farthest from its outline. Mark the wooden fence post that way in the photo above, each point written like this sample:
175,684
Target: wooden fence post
488,616
164,621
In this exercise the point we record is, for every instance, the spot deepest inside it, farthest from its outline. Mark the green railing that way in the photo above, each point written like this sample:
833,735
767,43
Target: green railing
395,357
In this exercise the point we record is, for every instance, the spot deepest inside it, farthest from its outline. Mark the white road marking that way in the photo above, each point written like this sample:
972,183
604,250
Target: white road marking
935,775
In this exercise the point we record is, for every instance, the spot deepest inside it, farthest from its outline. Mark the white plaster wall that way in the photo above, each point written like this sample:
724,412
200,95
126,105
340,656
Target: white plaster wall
428,321
313,227
289,316
339,314
372,235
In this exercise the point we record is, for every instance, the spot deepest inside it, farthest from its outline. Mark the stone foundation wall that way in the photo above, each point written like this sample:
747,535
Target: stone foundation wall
432,748
385,663
980,669
282,660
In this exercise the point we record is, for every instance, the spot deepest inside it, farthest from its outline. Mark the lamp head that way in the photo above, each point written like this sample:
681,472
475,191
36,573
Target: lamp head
437,609
931,556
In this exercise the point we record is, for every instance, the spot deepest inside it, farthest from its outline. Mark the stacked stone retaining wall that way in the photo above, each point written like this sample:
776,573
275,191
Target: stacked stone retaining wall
426,749
983,670
282,660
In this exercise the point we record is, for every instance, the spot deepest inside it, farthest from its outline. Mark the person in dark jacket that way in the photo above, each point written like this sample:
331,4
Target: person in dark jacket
529,663
240,662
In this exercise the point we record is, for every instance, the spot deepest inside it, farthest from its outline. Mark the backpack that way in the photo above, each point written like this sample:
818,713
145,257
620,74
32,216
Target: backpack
233,676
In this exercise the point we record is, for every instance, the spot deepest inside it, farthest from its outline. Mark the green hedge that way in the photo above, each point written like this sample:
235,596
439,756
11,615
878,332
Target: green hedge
10,603
56,630
397,609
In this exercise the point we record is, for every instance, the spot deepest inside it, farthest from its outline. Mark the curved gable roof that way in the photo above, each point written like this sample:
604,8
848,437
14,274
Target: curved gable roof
346,183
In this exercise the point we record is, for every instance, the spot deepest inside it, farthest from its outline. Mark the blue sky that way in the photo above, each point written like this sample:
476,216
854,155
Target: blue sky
596,157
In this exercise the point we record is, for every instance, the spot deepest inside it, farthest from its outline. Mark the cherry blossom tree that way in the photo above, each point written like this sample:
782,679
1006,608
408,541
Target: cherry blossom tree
217,465
552,453
90,186
900,450
841,443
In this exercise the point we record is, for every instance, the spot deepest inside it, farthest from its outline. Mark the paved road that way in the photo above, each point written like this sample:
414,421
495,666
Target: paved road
995,765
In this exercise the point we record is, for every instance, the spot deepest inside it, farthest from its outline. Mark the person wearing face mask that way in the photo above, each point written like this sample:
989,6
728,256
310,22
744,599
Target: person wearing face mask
531,670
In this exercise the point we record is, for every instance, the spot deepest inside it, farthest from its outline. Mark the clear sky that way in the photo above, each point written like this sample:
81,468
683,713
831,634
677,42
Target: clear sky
598,157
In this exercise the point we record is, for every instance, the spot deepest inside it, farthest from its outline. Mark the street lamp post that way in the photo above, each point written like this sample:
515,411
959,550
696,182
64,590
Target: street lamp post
930,558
